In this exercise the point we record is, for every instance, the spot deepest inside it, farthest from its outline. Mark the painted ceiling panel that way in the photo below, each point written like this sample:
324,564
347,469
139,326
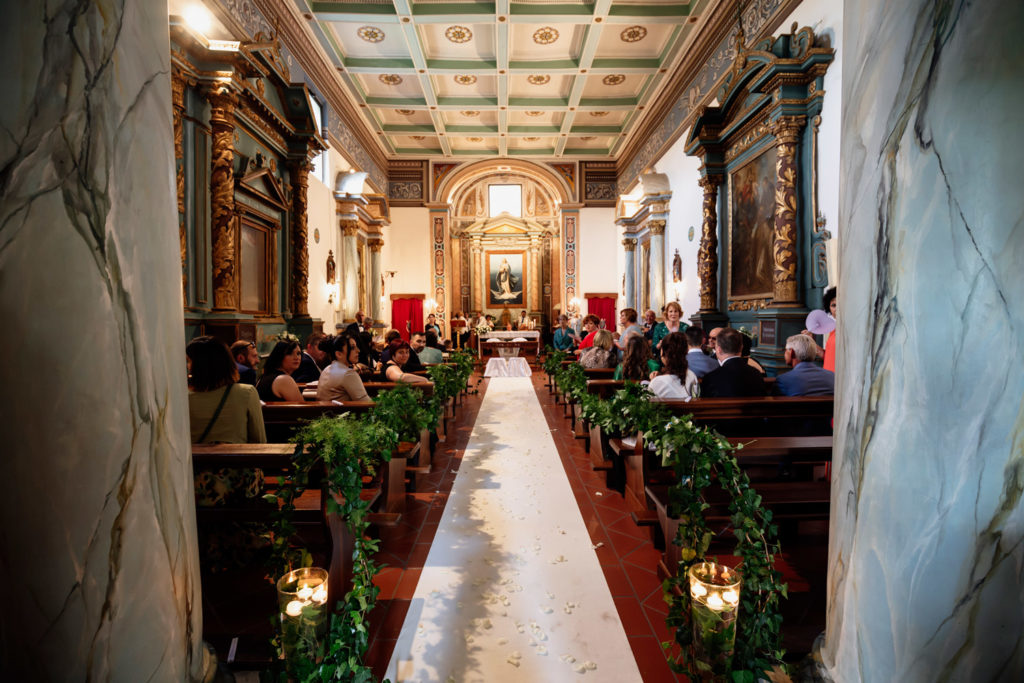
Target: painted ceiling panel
369,40
531,42
457,41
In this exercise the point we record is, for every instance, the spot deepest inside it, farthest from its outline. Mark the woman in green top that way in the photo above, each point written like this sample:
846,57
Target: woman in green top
673,323
637,364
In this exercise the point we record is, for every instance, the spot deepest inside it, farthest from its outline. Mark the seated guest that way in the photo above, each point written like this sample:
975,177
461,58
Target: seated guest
637,364
630,327
340,381
219,409
367,351
713,341
247,359
398,367
673,323
805,378
698,363
312,360
650,322
417,342
735,377
675,379
591,324
385,354
432,352
565,337
748,344
602,354
276,383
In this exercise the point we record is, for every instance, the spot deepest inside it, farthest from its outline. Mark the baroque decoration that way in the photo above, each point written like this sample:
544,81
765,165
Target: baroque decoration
464,79
470,113
538,80
633,34
545,35
534,113
613,79
405,112
370,34
458,34
598,114
390,79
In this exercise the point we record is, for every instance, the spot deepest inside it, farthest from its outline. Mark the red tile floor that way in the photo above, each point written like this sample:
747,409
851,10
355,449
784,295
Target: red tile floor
628,557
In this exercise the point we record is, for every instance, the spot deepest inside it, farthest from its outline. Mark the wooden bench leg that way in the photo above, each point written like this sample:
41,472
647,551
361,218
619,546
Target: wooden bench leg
394,485
339,579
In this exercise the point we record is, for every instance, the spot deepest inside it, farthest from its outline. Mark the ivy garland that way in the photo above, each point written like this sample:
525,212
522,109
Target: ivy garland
699,456
348,448
553,360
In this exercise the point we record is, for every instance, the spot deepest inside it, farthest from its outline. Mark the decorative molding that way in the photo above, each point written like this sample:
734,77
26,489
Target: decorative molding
299,172
224,225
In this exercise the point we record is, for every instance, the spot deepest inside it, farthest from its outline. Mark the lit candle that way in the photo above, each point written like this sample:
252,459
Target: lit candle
305,592
731,597
320,595
715,602
294,608
698,590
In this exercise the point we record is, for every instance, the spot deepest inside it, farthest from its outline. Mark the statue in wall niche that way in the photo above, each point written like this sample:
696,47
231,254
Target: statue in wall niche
331,267
677,268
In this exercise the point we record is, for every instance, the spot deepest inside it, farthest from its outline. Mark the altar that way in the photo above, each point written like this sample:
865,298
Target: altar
500,340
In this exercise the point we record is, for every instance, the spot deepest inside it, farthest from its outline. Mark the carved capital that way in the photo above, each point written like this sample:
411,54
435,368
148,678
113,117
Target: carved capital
222,107
349,227
710,183
786,129
178,82
375,244
629,244
657,227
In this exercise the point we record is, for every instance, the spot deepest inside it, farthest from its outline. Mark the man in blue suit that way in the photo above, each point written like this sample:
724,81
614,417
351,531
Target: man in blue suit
695,358
806,378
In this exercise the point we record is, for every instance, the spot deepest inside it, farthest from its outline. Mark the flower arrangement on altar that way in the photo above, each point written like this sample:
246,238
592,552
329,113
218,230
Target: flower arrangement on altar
483,329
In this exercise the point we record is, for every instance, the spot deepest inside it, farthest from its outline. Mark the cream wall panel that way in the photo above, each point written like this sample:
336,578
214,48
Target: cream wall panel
600,264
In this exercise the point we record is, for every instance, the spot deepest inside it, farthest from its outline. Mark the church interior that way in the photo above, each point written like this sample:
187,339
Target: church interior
267,172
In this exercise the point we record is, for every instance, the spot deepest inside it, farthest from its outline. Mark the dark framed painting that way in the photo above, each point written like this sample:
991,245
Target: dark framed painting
506,278
752,227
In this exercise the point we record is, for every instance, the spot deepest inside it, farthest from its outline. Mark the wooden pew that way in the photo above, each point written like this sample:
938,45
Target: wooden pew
788,500
282,419
325,534
597,445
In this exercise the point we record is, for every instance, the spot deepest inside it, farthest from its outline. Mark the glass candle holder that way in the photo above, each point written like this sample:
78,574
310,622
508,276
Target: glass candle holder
302,602
715,600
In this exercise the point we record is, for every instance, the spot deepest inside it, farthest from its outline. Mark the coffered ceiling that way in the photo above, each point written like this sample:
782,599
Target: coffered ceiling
534,78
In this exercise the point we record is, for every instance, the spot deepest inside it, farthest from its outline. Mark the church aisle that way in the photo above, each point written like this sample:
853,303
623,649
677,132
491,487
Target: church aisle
512,588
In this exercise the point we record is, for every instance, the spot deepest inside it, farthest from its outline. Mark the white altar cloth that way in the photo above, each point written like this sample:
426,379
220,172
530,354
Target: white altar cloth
507,367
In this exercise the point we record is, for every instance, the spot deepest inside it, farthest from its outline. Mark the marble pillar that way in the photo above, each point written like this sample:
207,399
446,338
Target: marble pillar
376,278
99,567
479,284
349,269
657,264
629,244
535,279
926,557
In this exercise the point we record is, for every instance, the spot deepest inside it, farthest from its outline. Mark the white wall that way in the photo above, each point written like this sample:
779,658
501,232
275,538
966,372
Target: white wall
407,249
600,261
685,210
322,216
825,17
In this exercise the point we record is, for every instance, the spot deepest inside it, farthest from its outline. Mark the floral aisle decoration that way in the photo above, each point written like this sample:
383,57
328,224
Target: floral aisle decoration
698,457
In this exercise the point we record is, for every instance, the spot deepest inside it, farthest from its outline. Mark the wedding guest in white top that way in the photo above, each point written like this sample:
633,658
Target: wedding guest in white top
675,380
339,381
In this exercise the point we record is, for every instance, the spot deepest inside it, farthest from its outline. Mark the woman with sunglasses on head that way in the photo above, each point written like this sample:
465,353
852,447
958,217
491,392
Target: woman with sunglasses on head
340,381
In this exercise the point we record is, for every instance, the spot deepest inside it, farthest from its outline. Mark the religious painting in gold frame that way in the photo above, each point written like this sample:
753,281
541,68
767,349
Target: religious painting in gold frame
506,278
752,227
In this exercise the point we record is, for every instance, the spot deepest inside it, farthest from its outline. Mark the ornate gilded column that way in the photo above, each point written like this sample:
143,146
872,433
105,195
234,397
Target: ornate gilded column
299,172
629,244
376,273
535,284
787,133
478,286
707,255
349,268
224,224
657,263
178,82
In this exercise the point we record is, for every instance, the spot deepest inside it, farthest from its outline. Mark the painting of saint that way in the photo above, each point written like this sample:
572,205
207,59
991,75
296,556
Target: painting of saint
752,227
506,279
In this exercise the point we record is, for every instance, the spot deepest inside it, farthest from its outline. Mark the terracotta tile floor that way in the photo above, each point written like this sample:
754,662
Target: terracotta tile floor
628,557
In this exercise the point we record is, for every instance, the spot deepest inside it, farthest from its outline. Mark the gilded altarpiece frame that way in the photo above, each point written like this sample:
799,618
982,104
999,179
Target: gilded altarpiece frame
756,258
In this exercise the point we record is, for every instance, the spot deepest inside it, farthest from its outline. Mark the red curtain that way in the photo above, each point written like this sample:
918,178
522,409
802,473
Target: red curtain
407,316
604,308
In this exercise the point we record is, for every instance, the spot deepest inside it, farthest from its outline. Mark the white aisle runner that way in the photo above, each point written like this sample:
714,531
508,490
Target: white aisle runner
512,589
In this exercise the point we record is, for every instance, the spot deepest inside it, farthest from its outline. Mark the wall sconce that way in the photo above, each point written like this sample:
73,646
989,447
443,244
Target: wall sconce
430,306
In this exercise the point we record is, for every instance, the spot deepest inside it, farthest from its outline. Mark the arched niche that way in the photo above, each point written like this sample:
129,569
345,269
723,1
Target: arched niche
533,238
